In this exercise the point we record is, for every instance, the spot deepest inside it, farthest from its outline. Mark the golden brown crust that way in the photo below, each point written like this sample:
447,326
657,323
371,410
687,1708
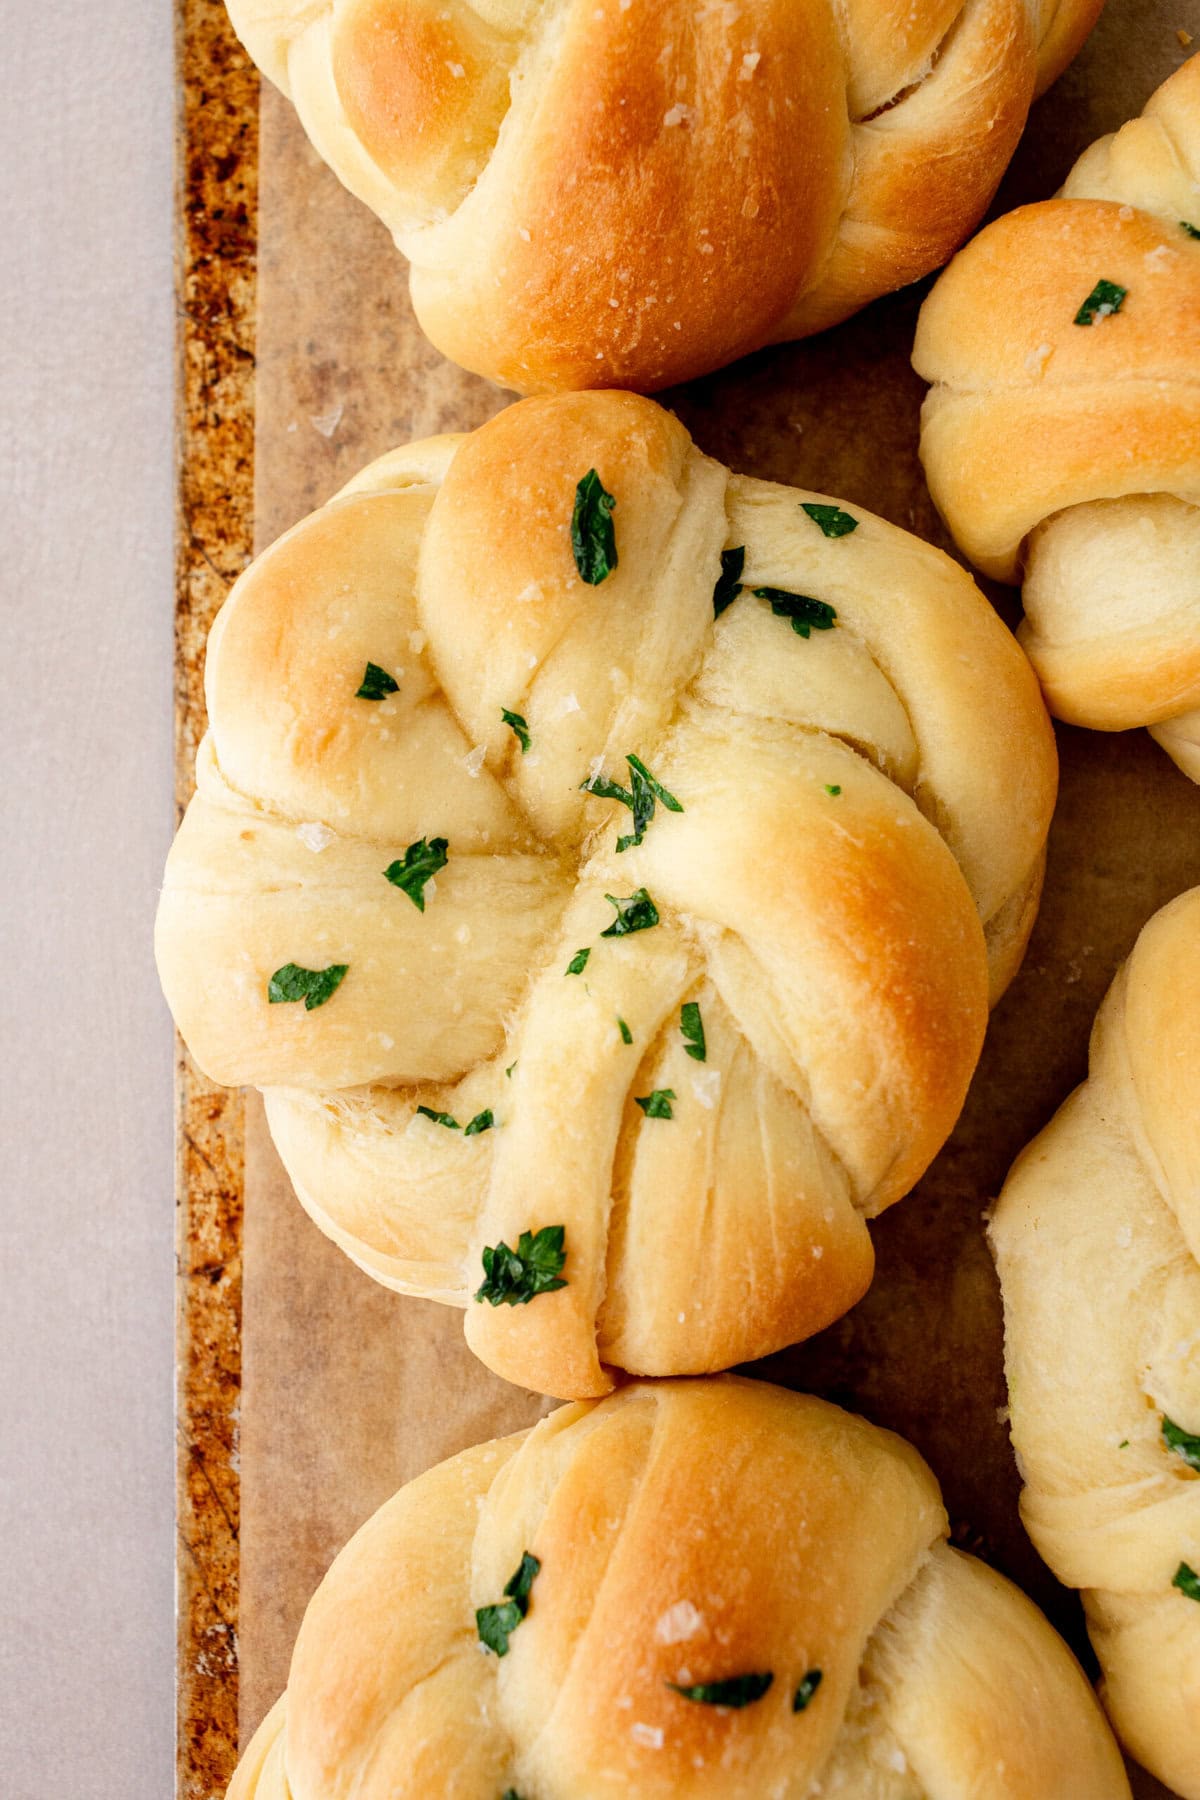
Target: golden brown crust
1098,505
855,864
626,193
1097,1237
686,1533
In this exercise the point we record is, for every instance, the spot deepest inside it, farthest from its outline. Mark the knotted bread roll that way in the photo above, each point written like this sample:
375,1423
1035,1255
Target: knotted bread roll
1061,437
689,1589
1097,1240
626,193
578,934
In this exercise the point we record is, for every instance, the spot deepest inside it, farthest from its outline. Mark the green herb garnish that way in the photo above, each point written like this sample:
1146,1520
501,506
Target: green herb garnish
640,796
1104,299
515,1277
313,986
805,613
496,1624
808,1687
729,581
440,1118
635,912
516,724
593,539
658,1104
509,1070
1193,231
377,684
739,1690
578,963
419,864
832,789
692,1027
1184,1443
833,521
646,790
626,1034
1187,1581
483,1121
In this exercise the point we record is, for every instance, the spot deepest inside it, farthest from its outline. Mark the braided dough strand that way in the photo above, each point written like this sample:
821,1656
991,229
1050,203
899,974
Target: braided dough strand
853,870
626,193
1070,454
1097,1240
685,1532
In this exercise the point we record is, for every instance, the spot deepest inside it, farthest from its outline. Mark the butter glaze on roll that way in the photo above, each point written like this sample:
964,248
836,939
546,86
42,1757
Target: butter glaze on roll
626,193
1097,1241
1067,455
722,1537
850,866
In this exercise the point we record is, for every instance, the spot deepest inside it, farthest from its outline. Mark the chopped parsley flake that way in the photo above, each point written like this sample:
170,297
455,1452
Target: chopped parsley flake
729,581
643,791
807,1689
578,963
833,521
692,1027
593,540
440,1118
509,1070
1187,1581
737,1691
483,1121
419,864
1193,231
516,724
496,1624
515,1277
313,986
1104,299
635,912
376,684
1182,1442
626,1034
658,1104
805,613
832,789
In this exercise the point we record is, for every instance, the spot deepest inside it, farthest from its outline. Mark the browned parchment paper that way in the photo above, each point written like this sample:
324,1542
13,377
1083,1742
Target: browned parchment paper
350,1390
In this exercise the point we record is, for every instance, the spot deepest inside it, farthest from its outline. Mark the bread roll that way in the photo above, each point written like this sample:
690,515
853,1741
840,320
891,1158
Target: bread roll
1067,453
727,1590
1097,1236
626,193
845,852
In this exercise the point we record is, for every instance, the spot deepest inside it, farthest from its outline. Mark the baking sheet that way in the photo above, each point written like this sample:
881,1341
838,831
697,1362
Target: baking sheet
350,1390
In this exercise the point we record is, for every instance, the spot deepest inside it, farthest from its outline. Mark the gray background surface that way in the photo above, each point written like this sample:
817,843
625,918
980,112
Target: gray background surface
86,1633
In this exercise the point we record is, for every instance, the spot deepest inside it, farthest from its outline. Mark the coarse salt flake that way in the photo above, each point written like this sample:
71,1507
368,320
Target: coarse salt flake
649,1736
679,114
473,761
706,1085
679,1623
327,422
314,835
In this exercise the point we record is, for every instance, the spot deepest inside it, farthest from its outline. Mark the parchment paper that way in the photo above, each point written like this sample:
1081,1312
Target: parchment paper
350,1390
